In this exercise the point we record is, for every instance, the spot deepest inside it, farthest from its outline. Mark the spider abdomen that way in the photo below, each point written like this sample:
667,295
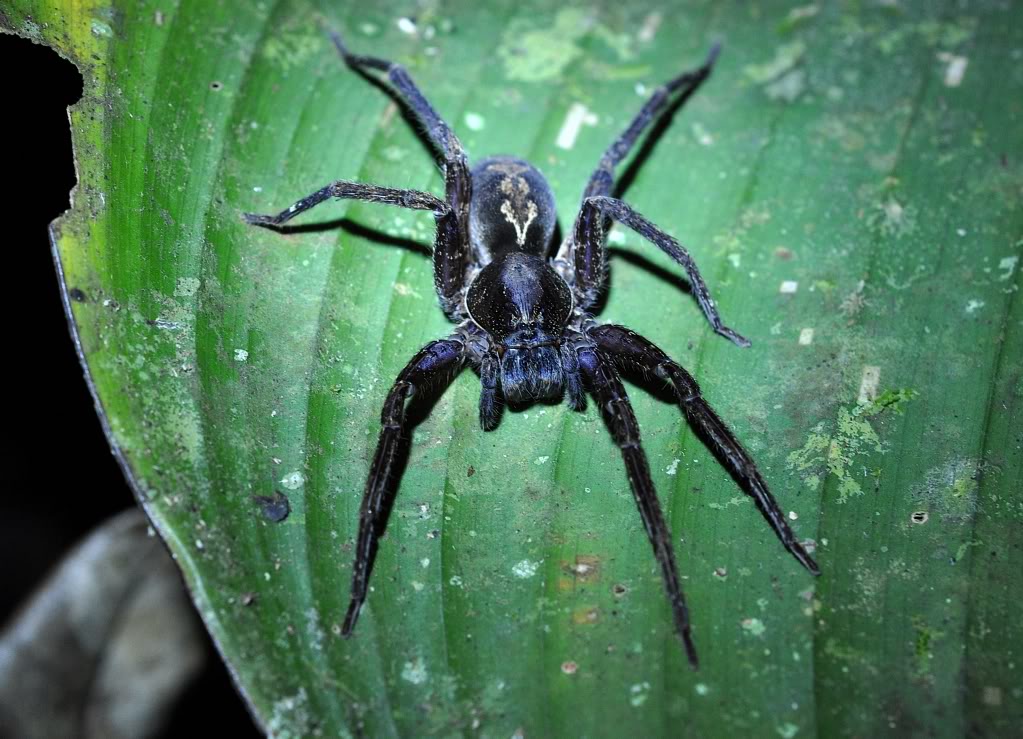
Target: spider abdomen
512,209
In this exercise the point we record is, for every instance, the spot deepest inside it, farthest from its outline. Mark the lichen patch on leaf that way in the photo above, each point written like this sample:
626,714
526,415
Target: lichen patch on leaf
835,448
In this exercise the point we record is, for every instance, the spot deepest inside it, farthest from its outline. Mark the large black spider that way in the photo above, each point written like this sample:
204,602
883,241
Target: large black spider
523,315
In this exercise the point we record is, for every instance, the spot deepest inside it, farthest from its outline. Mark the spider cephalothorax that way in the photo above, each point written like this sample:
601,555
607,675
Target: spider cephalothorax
524,306
523,315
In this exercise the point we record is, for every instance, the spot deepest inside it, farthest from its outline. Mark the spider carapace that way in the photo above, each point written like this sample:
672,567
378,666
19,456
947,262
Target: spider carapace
523,310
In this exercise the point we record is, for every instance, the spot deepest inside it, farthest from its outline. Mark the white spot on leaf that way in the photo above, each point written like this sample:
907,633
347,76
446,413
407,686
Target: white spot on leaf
753,626
703,136
955,68
787,730
639,693
415,671
650,25
1009,265
869,381
578,115
525,569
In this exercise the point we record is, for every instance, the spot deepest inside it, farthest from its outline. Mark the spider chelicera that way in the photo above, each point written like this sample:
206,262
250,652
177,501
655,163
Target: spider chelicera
523,315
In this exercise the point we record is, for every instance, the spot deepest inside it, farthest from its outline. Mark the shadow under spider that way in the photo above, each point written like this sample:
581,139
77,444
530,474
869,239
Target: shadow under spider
357,229
650,141
368,233
677,281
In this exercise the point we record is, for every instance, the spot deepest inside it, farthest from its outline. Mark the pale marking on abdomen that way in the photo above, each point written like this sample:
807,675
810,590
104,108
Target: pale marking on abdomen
520,228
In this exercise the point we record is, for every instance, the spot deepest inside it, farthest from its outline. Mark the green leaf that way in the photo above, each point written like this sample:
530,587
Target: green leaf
849,181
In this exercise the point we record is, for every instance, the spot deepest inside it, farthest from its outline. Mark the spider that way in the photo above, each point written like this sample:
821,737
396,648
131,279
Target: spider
524,315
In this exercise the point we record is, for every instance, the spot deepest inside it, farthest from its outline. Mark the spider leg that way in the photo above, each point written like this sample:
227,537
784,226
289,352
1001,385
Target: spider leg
610,394
490,400
574,388
622,344
666,98
451,254
440,134
437,362
342,190
448,265
602,180
591,257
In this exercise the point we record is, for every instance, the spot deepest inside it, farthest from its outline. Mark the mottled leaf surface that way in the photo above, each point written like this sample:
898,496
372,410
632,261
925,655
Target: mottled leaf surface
849,181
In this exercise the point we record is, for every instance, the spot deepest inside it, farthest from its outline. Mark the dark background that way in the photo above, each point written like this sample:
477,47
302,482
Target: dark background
61,479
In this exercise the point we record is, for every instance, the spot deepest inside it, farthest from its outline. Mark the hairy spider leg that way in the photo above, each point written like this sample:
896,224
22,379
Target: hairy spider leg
491,406
343,190
441,135
435,364
623,344
449,271
590,256
452,250
610,395
585,251
575,390
602,180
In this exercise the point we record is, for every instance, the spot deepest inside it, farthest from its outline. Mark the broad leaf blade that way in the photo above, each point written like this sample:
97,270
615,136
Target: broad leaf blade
851,191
